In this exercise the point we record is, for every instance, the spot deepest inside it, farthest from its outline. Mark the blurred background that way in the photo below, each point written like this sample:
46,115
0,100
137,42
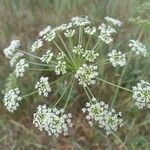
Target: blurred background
23,19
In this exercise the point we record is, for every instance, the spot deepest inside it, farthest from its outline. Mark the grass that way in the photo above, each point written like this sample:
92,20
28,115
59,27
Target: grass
23,20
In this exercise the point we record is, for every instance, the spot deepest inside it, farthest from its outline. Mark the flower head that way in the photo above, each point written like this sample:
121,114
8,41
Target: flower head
137,47
90,30
141,94
69,33
63,27
86,74
12,48
47,57
52,120
117,58
43,86
98,112
11,99
90,55
60,68
36,45
80,21
114,21
21,67
106,33
60,56
47,34
78,49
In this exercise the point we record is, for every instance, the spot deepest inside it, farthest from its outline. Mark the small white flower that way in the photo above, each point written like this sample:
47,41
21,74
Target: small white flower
15,58
78,49
80,21
52,120
36,45
43,86
106,33
63,27
114,21
90,55
12,48
48,34
141,94
69,33
11,99
98,112
47,57
86,74
137,47
21,67
90,30
60,56
117,58
60,68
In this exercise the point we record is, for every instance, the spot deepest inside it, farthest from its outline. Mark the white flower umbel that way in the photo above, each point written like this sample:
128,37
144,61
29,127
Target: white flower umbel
48,34
63,27
54,121
69,33
86,74
137,47
47,57
112,121
141,94
106,33
11,99
43,86
60,68
21,67
12,48
90,30
60,56
98,112
90,55
114,21
95,112
36,45
80,21
15,58
117,58
78,49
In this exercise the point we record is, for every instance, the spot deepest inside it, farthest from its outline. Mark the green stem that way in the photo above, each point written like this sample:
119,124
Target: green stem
40,69
29,94
114,85
90,91
63,93
87,94
121,142
87,44
29,54
39,64
80,35
69,95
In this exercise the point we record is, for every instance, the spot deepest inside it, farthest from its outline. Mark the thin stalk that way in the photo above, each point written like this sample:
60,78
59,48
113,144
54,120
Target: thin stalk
66,49
87,44
87,94
42,69
119,83
90,91
63,93
121,142
69,95
80,35
114,85
29,94
39,64
29,54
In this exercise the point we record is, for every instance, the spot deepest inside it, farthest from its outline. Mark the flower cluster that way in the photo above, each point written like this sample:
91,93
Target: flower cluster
90,30
11,99
86,74
106,33
60,68
141,94
117,58
69,33
78,49
12,48
114,21
90,55
98,112
137,47
36,45
21,67
52,120
47,57
80,21
43,86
